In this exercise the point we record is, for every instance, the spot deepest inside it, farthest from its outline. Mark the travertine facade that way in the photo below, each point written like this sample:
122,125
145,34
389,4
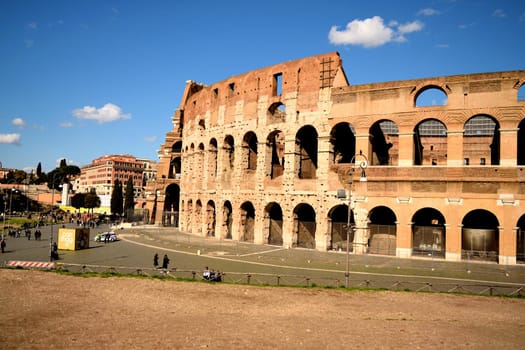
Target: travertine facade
270,156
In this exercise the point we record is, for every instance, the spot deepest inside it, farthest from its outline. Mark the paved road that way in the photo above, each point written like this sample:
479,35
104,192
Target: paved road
135,250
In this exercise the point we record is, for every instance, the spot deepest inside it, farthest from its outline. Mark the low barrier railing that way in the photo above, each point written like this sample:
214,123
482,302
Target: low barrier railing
288,280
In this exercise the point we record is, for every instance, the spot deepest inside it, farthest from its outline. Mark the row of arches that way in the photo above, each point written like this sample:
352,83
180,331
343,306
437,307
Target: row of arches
378,235
481,146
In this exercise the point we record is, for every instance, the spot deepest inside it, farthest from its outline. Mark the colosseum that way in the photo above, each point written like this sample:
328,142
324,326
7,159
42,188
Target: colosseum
293,155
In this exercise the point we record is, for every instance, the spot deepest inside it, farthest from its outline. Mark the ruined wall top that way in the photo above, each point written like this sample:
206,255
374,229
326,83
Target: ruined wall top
305,77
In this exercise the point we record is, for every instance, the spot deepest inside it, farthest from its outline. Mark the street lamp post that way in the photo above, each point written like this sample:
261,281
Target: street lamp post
349,227
11,200
51,250
5,207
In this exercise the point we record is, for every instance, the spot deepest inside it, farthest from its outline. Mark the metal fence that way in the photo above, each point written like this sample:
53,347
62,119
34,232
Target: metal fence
396,283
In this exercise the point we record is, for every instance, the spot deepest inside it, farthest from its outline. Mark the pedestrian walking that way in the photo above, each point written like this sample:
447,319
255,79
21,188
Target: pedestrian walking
3,244
165,262
156,260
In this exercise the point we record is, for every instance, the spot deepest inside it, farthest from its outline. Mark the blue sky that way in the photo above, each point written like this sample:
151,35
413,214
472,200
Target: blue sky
82,79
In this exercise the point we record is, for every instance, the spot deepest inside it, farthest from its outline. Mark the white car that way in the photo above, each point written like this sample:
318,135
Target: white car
101,237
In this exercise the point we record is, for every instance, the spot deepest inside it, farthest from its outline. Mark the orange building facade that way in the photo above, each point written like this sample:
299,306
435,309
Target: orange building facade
276,156
101,174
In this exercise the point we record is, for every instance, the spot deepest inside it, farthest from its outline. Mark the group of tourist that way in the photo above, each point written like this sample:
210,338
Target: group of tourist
165,262
27,233
207,274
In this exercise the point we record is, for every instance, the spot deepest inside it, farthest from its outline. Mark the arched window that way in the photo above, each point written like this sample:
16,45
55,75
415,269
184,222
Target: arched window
481,141
430,143
342,141
306,152
384,137
431,96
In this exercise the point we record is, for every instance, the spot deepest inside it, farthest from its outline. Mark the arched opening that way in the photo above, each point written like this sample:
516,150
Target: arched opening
170,213
342,143
306,152
247,222
383,231
274,222
431,96
520,240
176,147
384,138
339,228
481,141
212,158
275,154
428,233
521,143
227,219
175,168
190,159
304,227
210,219
228,159
249,151
480,236
276,113
430,143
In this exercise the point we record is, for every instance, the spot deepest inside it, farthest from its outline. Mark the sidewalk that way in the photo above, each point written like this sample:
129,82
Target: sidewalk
312,260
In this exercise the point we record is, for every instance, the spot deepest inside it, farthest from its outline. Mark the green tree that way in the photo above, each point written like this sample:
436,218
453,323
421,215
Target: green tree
39,169
117,200
91,201
77,201
61,175
129,199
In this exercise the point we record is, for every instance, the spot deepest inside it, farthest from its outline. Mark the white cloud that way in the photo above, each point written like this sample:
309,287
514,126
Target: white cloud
499,13
66,124
10,138
372,32
150,139
108,113
428,12
407,28
18,122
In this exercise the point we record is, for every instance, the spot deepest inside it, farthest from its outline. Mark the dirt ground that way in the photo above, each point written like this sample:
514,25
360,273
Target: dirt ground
41,310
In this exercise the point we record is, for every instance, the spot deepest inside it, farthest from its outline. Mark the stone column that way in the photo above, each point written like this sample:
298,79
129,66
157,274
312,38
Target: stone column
455,148
406,149
508,147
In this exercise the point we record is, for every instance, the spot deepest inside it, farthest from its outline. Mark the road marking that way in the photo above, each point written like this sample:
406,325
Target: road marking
439,278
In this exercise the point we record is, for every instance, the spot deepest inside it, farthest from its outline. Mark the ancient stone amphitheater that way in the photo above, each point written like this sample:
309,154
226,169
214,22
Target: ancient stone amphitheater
429,167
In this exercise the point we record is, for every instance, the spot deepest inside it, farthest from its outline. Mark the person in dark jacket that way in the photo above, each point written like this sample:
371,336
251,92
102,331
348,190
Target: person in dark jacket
156,260
165,262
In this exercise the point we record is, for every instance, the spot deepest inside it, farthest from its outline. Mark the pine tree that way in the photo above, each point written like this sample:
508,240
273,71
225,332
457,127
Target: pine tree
117,199
129,200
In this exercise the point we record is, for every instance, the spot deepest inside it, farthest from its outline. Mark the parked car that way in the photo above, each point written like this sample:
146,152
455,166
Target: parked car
101,237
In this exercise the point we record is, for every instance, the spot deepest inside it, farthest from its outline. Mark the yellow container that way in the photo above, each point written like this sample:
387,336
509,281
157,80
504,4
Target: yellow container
73,238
